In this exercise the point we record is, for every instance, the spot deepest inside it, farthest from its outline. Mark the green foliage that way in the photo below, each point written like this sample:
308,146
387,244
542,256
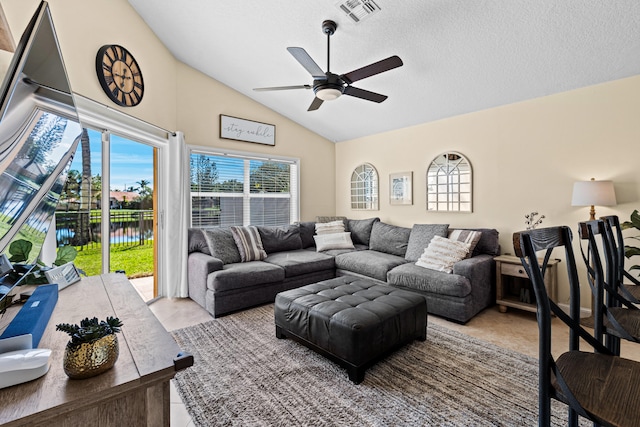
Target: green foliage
630,251
137,261
89,330
65,254
19,250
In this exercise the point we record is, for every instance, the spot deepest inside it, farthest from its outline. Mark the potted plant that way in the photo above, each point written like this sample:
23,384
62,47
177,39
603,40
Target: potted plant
93,347
630,251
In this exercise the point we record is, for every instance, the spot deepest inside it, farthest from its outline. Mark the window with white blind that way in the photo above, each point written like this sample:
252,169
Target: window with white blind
237,189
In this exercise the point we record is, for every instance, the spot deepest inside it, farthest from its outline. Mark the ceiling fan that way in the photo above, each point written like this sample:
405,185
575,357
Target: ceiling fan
328,86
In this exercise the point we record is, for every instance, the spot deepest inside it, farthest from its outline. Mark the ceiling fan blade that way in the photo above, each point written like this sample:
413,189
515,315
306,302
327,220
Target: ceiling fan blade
372,69
307,62
317,102
364,94
264,89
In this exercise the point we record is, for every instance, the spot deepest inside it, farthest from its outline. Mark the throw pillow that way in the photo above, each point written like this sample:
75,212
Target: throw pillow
307,230
330,227
334,218
324,242
361,229
249,243
442,253
279,239
466,236
420,237
222,245
390,239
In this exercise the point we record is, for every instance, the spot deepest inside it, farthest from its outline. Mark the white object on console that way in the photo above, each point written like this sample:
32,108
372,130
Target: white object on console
20,366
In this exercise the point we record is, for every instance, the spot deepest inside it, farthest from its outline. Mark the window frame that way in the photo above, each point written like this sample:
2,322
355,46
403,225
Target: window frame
247,195
356,179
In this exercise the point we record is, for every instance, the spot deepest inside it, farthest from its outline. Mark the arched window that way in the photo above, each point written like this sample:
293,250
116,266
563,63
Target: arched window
449,180
364,188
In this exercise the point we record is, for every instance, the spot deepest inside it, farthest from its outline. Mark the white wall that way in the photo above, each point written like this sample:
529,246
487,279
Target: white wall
525,158
176,96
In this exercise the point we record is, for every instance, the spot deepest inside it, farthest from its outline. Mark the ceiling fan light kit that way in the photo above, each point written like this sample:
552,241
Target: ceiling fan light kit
328,86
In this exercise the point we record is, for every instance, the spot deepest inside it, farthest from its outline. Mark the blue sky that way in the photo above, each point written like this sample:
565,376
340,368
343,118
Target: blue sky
130,161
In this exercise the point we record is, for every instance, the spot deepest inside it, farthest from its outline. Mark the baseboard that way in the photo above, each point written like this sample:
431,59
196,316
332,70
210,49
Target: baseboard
584,312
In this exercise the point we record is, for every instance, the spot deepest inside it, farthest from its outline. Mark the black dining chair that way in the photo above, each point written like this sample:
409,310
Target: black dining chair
631,289
615,317
595,385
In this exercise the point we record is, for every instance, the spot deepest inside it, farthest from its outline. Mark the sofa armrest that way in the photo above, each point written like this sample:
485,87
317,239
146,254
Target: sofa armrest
480,270
199,267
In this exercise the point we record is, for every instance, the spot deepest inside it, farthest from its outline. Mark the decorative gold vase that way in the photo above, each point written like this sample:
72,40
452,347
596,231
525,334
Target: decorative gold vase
90,359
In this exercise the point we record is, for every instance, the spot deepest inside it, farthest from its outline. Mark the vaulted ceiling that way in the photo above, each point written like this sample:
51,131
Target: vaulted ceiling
459,56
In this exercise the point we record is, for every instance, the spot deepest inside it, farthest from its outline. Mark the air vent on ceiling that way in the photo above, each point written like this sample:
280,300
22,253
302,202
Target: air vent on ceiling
358,9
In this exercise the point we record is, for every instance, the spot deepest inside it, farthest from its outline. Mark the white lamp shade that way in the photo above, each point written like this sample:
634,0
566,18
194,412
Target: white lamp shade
596,193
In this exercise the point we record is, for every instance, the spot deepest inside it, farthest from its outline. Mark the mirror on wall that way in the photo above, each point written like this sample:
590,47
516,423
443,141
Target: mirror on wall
449,184
364,187
39,133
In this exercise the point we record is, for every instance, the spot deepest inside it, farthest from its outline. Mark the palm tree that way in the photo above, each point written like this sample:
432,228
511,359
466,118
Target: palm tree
83,229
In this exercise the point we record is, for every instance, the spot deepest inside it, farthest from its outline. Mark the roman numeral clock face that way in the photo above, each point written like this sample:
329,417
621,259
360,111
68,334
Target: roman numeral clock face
119,75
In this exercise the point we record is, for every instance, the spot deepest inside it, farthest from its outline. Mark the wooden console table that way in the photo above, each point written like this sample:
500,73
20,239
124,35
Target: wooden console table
511,277
135,392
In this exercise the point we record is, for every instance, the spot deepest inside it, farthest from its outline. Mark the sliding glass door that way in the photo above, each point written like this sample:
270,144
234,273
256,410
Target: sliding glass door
108,214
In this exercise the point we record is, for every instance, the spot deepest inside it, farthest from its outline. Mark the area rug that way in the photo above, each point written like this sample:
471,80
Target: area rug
243,375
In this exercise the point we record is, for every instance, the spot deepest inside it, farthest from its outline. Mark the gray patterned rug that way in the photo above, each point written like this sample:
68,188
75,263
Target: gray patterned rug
243,375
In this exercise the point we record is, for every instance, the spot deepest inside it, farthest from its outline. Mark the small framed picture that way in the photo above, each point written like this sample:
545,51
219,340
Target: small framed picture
247,130
400,188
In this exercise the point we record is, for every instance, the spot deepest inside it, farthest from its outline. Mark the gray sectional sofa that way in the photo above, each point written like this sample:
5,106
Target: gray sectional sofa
383,253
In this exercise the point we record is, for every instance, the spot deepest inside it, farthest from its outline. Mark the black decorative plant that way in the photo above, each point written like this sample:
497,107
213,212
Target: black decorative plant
630,251
89,330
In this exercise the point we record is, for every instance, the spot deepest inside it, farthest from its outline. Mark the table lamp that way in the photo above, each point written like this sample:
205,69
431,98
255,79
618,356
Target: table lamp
592,193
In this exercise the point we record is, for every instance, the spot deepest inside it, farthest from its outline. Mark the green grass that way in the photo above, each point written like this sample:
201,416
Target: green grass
136,261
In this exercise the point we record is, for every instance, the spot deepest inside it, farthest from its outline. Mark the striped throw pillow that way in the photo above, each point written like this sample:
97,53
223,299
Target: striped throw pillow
330,227
467,236
249,243
442,253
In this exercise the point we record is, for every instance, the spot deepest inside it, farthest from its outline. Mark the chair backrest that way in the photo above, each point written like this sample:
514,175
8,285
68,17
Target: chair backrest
588,230
527,245
613,230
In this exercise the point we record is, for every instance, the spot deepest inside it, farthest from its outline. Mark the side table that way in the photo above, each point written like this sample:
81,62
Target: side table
513,287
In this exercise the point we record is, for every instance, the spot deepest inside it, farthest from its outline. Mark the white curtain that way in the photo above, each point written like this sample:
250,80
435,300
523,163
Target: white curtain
174,266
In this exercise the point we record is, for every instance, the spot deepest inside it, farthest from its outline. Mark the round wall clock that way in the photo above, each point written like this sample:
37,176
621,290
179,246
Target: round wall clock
119,75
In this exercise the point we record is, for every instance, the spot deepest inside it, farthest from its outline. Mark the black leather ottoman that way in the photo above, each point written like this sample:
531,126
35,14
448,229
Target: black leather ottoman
352,321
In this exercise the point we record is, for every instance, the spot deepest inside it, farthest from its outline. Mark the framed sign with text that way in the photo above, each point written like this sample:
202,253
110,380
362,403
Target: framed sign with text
247,130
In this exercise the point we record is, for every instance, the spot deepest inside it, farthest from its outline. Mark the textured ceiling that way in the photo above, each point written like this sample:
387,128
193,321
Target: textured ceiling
459,56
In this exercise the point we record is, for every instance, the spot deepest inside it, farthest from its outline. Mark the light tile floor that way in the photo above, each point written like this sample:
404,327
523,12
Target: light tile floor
516,330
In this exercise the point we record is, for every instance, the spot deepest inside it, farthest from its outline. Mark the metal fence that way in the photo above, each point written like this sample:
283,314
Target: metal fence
84,228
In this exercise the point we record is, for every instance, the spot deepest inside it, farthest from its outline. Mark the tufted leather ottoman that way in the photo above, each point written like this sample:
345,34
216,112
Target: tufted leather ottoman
352,321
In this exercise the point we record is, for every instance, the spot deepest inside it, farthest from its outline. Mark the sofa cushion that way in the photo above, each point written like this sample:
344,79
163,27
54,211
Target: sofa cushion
249,243
299,262
307,230
369,263
197,242
421,235
467,236
336,252
389,239
325,242
361,230
442,253
244,275
278,239
334,218
423,279
489,242
221,244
